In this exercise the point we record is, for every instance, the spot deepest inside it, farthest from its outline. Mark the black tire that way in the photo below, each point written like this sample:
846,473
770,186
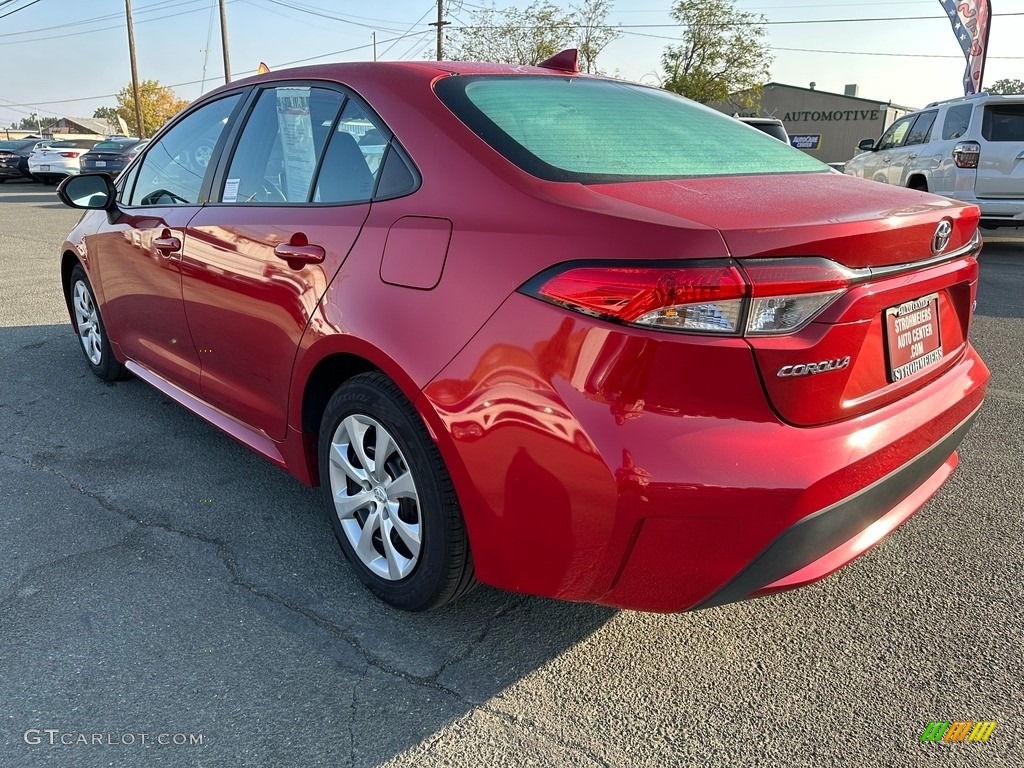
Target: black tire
106,366
443,569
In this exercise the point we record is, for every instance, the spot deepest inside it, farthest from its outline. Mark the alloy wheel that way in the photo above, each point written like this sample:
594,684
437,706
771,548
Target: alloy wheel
375,497
87,322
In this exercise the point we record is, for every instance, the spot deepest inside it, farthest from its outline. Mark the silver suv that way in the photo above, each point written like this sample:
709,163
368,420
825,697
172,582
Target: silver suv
970,149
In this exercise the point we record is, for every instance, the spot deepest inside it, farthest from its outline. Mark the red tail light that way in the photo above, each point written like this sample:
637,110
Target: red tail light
703,297
966,154
752,297
70,154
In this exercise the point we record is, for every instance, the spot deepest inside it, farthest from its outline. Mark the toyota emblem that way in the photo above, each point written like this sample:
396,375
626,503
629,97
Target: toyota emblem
941,237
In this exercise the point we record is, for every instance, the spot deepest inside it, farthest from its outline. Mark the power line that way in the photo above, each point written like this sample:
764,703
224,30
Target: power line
11,13
246,72
48,38
321,14
906,55
765,23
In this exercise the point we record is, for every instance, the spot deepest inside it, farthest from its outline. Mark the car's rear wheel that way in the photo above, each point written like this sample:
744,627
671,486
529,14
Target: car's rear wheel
92,334
390,499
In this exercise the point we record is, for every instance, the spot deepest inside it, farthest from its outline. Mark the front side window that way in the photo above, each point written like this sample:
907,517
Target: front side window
281,145
896,134
578,129
922,128
957,120
173,168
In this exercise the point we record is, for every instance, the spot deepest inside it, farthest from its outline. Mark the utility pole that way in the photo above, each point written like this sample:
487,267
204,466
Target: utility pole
373,35
135,70
440,24
224,42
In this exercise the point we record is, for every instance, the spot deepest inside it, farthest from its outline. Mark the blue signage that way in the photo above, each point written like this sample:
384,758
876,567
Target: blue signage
811,141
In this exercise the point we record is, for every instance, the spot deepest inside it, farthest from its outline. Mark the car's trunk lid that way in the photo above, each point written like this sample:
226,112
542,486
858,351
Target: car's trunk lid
902,323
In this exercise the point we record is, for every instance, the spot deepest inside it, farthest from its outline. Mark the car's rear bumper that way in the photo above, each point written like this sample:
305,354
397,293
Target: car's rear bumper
53,169
824,542
10,172
625,469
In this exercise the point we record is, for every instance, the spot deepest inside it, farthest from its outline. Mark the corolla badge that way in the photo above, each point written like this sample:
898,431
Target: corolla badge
941,237
809,369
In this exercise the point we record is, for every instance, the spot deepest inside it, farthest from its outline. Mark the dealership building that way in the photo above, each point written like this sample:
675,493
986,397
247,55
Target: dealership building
826,125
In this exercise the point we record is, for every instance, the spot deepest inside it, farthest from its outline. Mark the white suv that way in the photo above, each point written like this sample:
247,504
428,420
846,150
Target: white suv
970,148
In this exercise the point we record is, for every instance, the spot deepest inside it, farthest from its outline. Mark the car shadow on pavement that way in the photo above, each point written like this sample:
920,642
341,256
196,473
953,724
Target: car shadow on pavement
158,577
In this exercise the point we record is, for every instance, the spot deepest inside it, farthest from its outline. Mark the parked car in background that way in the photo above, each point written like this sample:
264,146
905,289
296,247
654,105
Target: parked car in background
513,343
14,158
770,125
970,149
111,156
61,158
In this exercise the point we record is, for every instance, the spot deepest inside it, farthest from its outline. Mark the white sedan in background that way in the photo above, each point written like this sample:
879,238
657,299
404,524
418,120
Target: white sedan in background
61,158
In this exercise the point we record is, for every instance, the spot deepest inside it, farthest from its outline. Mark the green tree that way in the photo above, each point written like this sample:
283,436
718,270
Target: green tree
159,104
34,123
723,51
528,36
593,33
1007,86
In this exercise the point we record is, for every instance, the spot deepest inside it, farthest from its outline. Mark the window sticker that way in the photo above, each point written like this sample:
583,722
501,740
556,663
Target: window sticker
297,145
230,191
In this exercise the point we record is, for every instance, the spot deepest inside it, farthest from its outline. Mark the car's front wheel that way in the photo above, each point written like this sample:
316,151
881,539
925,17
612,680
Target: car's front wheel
390,499
88,324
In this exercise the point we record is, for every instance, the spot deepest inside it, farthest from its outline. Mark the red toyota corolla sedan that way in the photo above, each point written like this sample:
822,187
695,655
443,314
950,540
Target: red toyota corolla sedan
561,334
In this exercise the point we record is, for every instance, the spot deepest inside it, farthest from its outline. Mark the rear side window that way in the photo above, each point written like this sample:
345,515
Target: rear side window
280,146
957,120
353,159
1003,122
584,130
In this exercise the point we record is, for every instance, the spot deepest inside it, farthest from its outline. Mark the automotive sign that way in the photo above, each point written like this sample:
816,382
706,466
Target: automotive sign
810,141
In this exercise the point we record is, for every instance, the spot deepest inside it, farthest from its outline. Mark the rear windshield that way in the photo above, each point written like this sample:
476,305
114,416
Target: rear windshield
114,144
1003,122
8,145
579,129
774,130
79,143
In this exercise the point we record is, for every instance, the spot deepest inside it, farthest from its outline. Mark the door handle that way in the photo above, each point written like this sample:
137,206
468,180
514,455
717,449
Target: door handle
298,256
912,157
167,245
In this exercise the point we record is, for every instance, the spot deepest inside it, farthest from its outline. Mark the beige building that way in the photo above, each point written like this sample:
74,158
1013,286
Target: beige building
826,125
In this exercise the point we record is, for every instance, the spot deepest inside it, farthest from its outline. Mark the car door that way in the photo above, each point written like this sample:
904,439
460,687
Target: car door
911,159
876,166
289,203
138,254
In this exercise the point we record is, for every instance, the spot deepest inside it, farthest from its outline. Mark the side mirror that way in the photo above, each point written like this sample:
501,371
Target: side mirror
93,191
866,145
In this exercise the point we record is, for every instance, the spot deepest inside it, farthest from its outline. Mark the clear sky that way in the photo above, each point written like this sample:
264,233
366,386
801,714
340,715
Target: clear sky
68,57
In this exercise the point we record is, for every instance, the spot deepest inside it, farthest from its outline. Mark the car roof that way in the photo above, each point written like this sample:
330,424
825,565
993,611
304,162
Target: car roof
762,120
366,72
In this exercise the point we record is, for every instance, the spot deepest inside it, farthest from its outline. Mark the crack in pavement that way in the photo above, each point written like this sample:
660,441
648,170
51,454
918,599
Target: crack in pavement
372,660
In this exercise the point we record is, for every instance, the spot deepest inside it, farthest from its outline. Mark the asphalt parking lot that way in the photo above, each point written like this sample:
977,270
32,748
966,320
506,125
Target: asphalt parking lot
157,578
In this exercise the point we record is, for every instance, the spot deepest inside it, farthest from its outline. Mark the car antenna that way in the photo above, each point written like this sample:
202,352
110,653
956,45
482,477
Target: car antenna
564,61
